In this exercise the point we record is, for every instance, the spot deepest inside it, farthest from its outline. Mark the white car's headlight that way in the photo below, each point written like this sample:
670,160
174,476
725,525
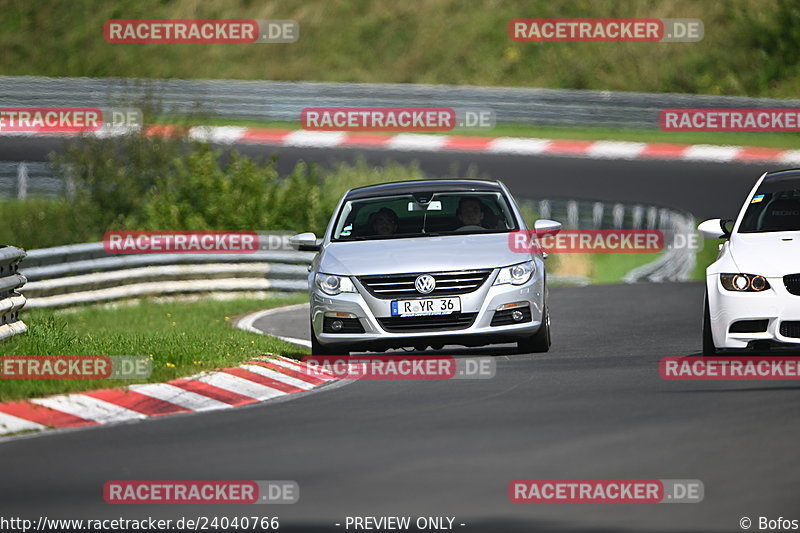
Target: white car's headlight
333,285
744,282
516,274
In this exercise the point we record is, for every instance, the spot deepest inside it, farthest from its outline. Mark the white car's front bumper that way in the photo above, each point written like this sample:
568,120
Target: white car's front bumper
775,305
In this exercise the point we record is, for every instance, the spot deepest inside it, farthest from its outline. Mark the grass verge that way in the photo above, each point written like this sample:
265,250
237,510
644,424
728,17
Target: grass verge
749,47
705,257
598,267
182,338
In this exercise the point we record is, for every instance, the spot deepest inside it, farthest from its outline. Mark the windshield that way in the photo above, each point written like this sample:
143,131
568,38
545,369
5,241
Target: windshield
774,207
402,216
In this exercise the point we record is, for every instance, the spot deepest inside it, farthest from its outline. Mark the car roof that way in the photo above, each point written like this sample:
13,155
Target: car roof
775,181
778,174
423,186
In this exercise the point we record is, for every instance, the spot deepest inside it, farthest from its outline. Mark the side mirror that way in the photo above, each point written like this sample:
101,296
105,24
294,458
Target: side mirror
305,242
544,226
714,228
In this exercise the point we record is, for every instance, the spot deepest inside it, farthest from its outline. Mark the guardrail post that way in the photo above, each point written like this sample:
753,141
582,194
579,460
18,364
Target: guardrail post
544,209
22,181
572,214
636,213
663,218
69,187
597,215
652,212
618,212
11,301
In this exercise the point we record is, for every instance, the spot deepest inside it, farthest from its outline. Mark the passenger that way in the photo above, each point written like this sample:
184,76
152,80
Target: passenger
470,213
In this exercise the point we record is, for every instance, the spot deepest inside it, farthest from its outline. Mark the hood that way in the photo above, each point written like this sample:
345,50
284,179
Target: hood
772,254
420,254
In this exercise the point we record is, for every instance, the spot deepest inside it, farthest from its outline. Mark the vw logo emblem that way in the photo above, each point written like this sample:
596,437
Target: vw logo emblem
425,284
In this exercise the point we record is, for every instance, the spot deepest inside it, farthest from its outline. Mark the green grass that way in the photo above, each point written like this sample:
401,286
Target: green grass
182,338
750,47
705,257
611,268
766,140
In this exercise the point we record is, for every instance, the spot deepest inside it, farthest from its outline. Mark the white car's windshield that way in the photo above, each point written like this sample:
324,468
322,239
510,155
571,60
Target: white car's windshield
406,216
774,207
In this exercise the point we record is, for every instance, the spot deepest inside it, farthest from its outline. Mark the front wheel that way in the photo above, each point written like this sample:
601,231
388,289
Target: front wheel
539,342
708,339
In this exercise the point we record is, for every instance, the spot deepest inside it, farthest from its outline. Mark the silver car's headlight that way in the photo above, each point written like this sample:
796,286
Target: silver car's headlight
333,285
516,274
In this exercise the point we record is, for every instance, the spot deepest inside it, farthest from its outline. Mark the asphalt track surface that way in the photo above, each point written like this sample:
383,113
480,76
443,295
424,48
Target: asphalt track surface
705,189
593,407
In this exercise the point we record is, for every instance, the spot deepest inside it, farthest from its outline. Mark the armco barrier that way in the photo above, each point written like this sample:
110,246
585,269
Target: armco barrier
283,101
11,301
23,179
675,264
84,273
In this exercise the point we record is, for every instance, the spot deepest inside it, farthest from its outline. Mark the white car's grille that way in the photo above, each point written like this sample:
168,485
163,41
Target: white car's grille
792,283
790,329
402,285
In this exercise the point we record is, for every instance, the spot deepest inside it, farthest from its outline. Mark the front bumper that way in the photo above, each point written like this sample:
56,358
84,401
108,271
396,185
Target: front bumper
774,305
484,301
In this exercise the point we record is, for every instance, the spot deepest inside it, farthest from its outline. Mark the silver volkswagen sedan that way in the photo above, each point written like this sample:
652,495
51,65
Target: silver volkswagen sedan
426,264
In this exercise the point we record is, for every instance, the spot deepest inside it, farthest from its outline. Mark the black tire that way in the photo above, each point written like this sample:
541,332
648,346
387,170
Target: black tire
322,349
539,342
709,349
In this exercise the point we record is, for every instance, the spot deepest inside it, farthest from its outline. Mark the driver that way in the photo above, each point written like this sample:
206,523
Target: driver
470,212
384,222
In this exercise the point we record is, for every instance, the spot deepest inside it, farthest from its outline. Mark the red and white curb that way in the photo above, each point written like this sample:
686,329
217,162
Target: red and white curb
497,145
488,145
262,379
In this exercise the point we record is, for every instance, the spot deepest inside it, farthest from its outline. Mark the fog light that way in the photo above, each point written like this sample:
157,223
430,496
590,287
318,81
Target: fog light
517,315
336,325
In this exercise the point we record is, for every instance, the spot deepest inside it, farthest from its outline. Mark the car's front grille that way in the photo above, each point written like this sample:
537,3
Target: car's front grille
790,329
405,324
402,285
792,283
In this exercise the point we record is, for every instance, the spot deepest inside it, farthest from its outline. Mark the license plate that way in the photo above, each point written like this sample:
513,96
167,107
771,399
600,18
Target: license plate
428,306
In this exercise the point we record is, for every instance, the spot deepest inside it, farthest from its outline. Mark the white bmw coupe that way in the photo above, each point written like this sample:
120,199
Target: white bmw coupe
753,288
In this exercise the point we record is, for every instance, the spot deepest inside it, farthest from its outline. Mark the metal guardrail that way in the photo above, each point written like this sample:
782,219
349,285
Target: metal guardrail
590,214
22,179
11,301
84,273
675,264
283,101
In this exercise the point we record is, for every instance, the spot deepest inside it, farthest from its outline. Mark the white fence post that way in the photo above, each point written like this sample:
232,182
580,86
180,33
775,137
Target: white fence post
597,215
572,214
22,181
618,212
